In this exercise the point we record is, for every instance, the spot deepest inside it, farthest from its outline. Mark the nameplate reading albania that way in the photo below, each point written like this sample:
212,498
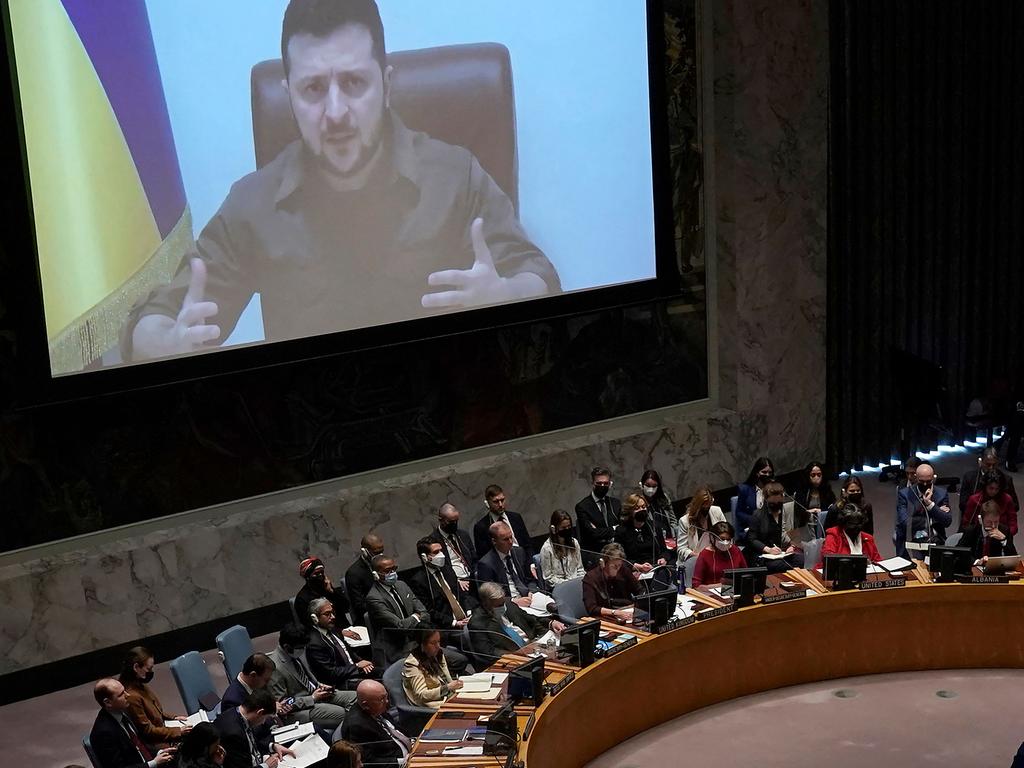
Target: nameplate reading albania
985,579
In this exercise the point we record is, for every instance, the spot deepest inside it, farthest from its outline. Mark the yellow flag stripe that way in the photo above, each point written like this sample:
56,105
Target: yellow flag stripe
94,225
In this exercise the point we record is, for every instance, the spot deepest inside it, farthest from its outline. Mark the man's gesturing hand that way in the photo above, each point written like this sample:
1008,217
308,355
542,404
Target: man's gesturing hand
482,284
161,336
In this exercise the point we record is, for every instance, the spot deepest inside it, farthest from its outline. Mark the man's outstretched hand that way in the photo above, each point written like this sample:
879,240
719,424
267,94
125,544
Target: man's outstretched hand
481,284
161,336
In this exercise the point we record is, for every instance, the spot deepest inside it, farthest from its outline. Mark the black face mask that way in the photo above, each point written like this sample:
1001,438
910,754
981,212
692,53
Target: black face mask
853,531
923,487
565,537
450,528
775,506
600,491
148,677
855,498
640,517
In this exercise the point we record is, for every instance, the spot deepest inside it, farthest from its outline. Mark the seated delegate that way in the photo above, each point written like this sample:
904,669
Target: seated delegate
426,680
610,586
849,537
695,524
144,706
499,625
988,537
769,533
852,493
560,556
643,543
713,561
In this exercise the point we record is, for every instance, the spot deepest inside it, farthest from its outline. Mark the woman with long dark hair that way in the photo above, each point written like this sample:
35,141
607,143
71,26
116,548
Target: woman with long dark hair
144,708
751,493
560,557
425,676
813,496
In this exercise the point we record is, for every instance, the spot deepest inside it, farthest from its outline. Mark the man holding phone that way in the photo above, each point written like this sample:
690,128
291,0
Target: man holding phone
292,683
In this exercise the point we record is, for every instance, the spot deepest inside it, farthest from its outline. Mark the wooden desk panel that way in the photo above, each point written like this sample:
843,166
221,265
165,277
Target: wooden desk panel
925,626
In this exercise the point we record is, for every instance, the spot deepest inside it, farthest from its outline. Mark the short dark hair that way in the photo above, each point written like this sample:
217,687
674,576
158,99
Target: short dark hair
321,18
492,490
723,526
196,742
260,698
259,663
293,635
423,545
598,471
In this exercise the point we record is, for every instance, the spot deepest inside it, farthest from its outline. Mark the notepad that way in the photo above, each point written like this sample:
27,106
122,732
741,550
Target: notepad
442,735
539,603
769,556
289,733
364,637
465,751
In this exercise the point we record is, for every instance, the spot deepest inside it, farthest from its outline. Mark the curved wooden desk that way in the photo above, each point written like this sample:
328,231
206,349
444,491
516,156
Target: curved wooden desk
934,626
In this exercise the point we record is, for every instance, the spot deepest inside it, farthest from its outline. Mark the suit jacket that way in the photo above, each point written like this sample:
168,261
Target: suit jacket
1007,511
974,539
595,529
376,744
764,531
469,553
112,745
148,715
391,637
233,697
327,663
909,510
285,681
642,545
358,580
746,506
492,568
837,544
488,638
337,597
232,726
482,533
424,585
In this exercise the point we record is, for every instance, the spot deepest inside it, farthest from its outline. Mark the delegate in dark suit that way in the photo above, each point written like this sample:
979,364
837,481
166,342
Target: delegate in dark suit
491,567
596,523
233,697
232,729
423,583
393,612
112,744
376,744
337,597
331,664
482,533
911,511
488,637
974,538
358,580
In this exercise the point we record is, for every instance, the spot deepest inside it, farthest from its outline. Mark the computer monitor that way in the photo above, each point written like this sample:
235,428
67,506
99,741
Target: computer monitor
527,681
502,731
579,641
950,562
845,571
655,608
745,583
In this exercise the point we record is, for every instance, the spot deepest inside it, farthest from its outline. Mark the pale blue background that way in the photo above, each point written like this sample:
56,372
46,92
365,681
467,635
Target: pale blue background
581,82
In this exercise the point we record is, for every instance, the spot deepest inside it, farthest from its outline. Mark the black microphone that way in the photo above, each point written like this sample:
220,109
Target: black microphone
815,515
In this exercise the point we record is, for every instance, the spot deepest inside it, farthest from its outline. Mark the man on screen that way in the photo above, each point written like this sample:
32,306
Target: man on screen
361,222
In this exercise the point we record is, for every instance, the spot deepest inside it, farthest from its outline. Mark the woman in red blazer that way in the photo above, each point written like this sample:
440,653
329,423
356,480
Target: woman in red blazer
849,530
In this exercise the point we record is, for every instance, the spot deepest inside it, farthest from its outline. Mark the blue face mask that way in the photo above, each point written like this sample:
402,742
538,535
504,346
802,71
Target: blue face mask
390,578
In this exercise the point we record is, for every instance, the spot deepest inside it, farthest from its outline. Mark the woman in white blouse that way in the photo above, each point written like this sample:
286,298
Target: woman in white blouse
560,558
692,531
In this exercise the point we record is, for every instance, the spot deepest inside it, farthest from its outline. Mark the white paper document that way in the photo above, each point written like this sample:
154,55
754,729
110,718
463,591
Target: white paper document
364,637
465,751
191,721
539,604
310,750
896,564
289,733
767,556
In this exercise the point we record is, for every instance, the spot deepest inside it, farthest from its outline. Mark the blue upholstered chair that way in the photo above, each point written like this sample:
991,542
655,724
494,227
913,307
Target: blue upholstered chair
234,646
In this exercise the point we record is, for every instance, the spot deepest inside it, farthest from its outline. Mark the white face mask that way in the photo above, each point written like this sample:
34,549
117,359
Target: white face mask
649,492
437,560
724,545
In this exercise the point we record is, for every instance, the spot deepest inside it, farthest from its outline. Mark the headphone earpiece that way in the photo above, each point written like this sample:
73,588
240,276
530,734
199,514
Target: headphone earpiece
365,553
600,561
376,576
313,616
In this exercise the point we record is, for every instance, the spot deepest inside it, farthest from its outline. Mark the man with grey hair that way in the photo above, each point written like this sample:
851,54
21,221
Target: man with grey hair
499,625
329,656
367,724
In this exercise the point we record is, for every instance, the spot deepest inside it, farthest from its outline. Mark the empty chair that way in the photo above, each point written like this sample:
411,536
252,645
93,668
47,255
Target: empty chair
234,646
194,683
87,746
411,719
569,599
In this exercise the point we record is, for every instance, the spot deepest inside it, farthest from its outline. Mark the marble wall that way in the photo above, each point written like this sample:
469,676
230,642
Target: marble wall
769,184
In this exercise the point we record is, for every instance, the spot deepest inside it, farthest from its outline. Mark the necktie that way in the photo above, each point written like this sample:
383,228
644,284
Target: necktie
252,742
457,611
606,511
342,650
397,736
514,575
454,542
398,602
984,546
304,677
136,741
511,632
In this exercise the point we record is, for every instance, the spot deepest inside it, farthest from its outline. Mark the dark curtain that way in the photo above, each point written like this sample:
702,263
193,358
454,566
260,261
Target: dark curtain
925,221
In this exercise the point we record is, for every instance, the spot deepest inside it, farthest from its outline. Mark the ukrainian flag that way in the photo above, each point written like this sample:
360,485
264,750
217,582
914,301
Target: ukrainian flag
109,206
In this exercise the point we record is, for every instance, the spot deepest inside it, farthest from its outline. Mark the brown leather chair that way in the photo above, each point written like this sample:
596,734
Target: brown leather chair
460,94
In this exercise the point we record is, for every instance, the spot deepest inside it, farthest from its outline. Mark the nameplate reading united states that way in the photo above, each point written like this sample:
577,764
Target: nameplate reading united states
883,583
